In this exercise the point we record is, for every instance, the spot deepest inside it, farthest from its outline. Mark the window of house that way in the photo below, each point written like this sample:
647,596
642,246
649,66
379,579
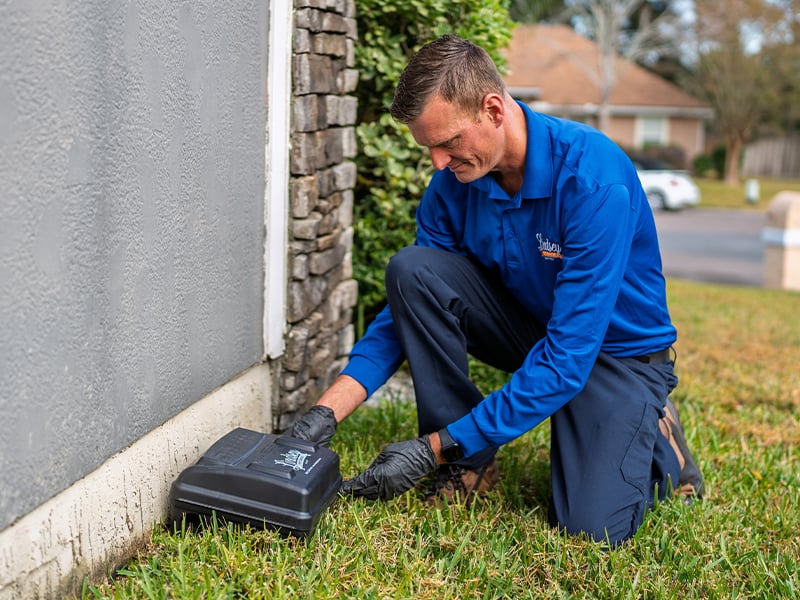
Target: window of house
652,130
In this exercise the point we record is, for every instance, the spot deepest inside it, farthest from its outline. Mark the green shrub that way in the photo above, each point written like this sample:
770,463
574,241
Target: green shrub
718,157
703,166
675,156
392,170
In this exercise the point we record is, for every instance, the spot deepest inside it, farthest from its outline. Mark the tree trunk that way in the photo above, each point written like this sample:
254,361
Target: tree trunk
604,116
608,74
734,153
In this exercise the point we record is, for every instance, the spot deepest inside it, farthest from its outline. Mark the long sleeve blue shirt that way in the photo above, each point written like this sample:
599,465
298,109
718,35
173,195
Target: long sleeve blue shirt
577,246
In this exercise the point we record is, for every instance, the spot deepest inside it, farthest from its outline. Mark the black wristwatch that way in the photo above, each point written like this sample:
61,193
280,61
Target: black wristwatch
451,451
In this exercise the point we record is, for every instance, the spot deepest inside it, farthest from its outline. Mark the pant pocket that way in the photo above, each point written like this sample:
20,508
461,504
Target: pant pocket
638,460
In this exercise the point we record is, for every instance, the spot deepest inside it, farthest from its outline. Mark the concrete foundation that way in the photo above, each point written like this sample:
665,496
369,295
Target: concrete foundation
98,522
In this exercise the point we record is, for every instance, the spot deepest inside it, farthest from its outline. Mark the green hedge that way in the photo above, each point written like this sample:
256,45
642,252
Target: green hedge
392,170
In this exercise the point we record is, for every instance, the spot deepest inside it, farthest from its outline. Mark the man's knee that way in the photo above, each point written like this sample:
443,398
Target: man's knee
601,524
407,262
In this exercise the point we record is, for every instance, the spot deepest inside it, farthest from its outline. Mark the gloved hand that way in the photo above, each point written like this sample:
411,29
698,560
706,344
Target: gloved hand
398,468
318,425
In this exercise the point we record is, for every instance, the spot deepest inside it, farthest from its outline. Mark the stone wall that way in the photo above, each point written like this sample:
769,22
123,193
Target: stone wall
321,289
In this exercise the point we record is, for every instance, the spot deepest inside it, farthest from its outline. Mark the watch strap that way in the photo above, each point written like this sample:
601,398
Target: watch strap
451,450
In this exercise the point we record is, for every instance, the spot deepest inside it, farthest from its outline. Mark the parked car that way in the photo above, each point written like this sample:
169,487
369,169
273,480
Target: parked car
666,188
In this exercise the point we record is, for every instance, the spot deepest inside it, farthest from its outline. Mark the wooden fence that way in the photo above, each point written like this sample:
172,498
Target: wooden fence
776,157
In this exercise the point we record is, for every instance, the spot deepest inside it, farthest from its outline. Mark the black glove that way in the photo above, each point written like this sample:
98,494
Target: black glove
398,468
318,425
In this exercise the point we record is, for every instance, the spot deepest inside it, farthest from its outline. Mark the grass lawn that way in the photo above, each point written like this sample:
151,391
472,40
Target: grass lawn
717,194
738,357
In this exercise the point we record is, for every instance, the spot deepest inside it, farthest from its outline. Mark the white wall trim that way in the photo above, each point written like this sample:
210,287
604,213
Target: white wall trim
101,519
276,200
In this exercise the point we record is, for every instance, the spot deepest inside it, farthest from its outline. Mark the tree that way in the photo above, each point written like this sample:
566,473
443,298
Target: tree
733,84
637,30
732,72
781,51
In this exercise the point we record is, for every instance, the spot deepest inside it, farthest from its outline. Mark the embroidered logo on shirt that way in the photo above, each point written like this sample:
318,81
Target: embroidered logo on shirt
549,250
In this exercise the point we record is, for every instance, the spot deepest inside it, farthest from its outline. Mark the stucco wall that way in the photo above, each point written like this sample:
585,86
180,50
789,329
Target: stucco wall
131,224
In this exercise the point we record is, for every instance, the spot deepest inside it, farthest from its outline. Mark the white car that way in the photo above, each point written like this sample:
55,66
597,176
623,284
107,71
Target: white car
666,188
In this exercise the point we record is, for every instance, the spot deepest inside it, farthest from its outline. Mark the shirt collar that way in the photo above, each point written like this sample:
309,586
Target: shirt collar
538,179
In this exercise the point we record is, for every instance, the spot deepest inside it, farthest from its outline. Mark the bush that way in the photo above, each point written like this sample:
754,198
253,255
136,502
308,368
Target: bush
703,166
718,157
674,156
392,170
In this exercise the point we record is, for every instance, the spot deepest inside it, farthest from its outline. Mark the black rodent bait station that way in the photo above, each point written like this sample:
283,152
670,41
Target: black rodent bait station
267,480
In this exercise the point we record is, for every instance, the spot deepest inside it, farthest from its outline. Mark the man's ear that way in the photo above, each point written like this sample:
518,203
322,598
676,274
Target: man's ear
494,107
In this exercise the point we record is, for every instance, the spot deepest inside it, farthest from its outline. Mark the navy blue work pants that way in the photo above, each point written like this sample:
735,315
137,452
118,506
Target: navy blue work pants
608,458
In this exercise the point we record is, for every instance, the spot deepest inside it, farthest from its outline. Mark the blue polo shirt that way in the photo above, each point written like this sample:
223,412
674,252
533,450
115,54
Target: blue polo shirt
577,246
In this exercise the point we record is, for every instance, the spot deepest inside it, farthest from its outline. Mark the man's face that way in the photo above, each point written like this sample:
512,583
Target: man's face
467,145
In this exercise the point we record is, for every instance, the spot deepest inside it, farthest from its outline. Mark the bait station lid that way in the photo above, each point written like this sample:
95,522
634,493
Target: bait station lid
267,480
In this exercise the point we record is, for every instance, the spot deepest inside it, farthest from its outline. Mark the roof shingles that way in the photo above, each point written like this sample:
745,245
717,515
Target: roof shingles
564,67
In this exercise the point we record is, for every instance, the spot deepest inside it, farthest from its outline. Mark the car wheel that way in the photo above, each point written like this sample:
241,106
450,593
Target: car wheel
657,200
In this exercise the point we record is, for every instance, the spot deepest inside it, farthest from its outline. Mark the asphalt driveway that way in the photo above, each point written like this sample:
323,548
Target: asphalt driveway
712,245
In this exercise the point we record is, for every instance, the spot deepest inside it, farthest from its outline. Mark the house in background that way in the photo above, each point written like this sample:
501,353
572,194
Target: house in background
554,70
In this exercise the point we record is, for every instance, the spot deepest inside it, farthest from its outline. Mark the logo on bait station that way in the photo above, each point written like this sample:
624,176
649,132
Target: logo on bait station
295,460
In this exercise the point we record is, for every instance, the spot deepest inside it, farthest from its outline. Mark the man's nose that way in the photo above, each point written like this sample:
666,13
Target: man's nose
440,158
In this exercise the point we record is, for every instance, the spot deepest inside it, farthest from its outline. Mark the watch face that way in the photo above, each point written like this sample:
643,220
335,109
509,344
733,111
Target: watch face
452,452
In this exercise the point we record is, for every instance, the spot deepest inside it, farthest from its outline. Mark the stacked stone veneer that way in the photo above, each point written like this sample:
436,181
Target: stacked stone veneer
321,289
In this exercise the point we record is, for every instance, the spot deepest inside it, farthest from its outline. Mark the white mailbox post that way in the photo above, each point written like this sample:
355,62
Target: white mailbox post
781,239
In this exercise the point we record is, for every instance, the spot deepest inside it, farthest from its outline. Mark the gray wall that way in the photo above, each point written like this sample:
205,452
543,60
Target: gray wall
131,224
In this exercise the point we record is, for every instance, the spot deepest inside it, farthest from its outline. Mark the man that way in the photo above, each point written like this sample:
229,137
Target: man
536,252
